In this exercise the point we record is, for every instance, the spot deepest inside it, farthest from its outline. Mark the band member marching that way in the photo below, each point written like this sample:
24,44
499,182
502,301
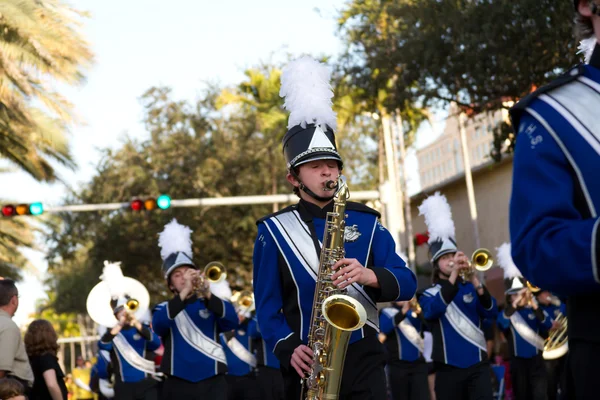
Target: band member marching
521,322
188,324
402,324
118,302
241,361
288,249
555,198
454,308
555,358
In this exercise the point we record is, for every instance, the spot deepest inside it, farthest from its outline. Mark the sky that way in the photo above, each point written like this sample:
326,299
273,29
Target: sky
181,44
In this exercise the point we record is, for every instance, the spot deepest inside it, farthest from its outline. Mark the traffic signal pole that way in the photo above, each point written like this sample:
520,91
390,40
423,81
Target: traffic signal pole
207,202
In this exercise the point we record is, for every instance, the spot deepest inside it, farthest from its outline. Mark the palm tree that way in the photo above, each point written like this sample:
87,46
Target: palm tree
40,45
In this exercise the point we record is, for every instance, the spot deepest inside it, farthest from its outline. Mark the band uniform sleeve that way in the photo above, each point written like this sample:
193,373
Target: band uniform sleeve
486,305
386,320
253,330
160,319
268,295
107,339
228,320
552,243
435,300
397,282
152,339
544,320
503,321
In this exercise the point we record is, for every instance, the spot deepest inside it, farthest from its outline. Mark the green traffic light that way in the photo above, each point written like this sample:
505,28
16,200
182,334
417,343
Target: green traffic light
163,202
36,208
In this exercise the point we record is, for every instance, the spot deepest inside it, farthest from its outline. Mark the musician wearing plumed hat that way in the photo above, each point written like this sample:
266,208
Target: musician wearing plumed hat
556,197
522,322
189,323
288,247
455,306
120,304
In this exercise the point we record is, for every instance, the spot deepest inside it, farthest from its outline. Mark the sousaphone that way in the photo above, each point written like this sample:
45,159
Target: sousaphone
115,286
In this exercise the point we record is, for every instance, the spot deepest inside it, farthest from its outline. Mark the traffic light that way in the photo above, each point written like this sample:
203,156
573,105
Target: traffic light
10,210
150,203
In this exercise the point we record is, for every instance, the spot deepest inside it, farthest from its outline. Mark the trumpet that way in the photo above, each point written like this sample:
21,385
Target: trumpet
214,272
131,306
415,307
243,301
481,260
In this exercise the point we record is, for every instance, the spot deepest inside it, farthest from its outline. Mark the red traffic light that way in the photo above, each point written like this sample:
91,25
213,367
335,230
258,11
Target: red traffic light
9,210
137,205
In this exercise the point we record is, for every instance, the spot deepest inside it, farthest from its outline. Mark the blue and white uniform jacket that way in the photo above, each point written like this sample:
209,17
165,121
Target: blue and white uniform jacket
404,339
128,352
237,345
264,357
455,314
286,260
522,327
556,196
189,331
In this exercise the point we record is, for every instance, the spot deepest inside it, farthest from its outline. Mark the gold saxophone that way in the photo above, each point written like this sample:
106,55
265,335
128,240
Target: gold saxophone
335,315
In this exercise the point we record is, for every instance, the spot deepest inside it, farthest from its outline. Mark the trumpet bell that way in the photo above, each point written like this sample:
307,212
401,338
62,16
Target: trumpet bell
132,305
482,259
533,288
215,272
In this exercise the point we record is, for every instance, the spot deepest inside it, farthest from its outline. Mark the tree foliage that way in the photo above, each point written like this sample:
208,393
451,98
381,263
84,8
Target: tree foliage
479,54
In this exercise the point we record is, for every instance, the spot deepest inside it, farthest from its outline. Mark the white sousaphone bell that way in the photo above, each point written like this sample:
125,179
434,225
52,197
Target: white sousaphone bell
115,286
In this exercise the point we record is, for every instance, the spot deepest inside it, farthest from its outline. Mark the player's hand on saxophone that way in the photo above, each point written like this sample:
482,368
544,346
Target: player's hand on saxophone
302,359
350,270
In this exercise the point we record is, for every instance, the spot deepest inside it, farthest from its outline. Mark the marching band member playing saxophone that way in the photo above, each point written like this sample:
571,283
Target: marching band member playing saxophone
402,324
188,324
288,244
554,223
454,310
521,322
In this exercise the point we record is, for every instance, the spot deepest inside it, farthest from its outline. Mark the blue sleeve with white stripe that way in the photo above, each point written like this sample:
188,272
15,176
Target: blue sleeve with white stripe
386,320
503,322
153,343
397,282
253,330
277,334
552,244
487,313
161,323
435,300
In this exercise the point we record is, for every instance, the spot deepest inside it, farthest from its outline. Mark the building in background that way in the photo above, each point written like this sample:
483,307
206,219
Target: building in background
443,159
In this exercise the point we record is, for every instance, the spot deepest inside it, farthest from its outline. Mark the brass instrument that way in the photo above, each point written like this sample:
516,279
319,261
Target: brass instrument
481,260
335,315
533,288
243,301
415,307
214,272
557,343
131,306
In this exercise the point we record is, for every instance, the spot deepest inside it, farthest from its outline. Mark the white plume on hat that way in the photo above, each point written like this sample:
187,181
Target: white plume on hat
221,290
112,275
587,46
438,217
305,84
506,262
175,238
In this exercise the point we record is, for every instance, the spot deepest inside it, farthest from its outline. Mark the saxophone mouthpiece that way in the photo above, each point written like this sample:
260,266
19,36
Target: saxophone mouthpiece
330,185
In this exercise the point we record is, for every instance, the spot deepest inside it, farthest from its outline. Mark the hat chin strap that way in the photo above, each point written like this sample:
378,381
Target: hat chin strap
306,190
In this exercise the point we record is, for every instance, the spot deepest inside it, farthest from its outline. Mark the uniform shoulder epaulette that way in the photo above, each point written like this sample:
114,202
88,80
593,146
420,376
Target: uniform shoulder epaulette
351,205
283,210
518,109
159,305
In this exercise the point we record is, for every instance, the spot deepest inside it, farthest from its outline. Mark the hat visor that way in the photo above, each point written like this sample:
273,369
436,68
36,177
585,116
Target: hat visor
440,253
318,155
177,265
